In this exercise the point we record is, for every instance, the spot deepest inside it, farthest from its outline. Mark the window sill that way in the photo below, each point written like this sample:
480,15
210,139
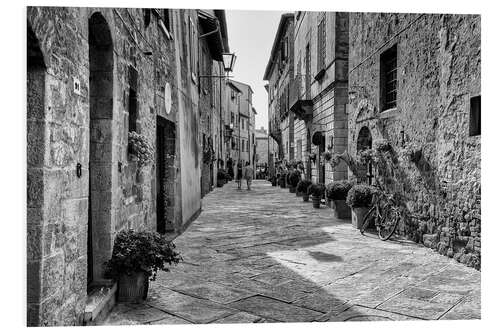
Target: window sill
388,113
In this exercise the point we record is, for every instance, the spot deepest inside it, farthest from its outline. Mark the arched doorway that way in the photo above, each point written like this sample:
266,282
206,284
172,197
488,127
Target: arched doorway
35,114
364,142
99,245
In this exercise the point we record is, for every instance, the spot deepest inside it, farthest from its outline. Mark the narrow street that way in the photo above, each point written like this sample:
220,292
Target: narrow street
267,256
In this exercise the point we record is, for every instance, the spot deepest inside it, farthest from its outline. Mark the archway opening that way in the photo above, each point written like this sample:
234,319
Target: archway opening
165,175
364,142
99,245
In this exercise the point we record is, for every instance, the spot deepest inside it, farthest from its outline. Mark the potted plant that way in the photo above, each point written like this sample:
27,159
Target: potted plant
139,147
272,179
316,191
336,192
359,198
221,178
293,180
137,257
302,187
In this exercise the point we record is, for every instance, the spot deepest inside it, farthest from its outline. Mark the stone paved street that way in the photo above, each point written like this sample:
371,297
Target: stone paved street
267,256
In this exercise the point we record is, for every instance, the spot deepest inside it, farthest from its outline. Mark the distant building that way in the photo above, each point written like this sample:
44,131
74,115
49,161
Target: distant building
262,149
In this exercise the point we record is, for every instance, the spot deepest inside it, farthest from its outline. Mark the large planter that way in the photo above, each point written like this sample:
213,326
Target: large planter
220,182
358,213
133,288
316,201
341,210
293,189
305,197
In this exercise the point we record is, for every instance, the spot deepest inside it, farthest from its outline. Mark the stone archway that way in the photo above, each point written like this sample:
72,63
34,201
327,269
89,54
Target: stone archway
35,96
99,243
364,142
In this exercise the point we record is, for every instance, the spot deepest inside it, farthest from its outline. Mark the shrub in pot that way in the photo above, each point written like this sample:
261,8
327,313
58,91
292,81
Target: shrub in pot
293,180
302,187
137,257
336,192
221,178
359,198
316,191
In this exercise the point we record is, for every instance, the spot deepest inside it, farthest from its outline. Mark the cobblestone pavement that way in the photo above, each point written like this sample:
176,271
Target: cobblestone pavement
266,256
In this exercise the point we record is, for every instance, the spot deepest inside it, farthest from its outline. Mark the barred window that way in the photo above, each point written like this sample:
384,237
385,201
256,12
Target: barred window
389,78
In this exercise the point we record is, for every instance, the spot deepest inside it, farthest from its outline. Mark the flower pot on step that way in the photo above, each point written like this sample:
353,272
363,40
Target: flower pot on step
305,197
341,210
358,213
316,201
133,288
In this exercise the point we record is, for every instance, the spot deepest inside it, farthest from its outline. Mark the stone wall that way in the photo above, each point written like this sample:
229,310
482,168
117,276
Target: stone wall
74,122
438,60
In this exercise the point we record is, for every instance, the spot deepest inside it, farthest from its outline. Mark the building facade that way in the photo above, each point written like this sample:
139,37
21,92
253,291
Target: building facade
94,76
261,147
415,82
278,73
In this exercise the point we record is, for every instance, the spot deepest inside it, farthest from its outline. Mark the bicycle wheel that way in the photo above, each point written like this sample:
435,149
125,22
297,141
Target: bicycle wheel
367,218
388,224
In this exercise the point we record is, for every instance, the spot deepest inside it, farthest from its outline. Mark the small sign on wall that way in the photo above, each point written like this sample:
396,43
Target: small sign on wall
76,86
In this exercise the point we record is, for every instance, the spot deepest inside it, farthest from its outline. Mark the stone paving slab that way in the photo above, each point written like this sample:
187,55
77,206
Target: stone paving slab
266,256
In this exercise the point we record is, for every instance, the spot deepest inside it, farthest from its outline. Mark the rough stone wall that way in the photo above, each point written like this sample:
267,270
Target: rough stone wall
58,200
438,59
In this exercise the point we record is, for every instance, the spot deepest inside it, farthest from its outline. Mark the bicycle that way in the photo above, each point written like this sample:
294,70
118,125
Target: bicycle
386,214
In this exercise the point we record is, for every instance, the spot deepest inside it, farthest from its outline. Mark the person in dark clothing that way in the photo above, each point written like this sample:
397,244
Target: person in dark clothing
230,168
239,174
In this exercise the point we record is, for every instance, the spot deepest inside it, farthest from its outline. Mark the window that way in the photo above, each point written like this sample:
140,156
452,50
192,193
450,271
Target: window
232,118
321,43
242,145
248,145
475,116
132,100
233,143
388,79
284,49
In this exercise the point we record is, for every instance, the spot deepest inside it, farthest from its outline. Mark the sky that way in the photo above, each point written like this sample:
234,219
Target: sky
251,36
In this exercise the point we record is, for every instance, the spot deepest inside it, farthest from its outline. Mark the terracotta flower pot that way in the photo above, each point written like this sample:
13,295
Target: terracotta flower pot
316,201
133,288
341,210
358,213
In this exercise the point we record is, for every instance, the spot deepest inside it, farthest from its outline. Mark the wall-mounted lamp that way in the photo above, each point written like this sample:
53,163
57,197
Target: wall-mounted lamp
228,60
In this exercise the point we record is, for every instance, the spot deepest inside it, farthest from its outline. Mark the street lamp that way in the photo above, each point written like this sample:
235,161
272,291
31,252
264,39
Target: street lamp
228,60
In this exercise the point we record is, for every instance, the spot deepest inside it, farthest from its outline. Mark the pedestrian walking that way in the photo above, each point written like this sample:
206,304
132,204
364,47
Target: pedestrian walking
248,175
239,174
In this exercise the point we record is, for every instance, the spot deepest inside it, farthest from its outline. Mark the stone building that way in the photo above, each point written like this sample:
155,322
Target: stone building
261,146
93,76
242,117
318,91
278,73
415,82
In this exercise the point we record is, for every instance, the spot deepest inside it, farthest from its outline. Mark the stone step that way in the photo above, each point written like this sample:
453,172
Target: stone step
100,301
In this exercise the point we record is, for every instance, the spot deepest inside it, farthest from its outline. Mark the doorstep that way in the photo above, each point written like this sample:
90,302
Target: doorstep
100,300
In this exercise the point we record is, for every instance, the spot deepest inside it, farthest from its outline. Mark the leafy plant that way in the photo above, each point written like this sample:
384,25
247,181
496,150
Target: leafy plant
293,178
303,185
221,174
316,190
139,147
382,145
360,196
140,251
366,156
327,156
338,189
